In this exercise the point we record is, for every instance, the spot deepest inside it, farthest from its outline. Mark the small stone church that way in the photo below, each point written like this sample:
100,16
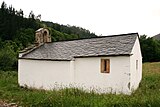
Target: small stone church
105,64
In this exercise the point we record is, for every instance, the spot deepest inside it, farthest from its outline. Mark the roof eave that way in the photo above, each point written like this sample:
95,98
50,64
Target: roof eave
76,57
45,59
104,55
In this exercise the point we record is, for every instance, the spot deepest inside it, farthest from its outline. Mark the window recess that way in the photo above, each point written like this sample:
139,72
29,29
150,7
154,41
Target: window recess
105,65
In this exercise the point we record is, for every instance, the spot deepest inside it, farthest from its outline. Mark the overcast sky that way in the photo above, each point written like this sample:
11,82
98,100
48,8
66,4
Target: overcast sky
104,17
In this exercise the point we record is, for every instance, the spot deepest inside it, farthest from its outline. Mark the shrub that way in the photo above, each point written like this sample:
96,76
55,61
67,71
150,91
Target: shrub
7,58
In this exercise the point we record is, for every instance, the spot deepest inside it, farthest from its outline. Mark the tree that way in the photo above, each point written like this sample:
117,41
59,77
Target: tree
19,13
3,6
7,57
150,49
31,15
24,37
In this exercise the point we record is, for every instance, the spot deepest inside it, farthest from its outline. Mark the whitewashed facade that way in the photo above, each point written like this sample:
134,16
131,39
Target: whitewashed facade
84,72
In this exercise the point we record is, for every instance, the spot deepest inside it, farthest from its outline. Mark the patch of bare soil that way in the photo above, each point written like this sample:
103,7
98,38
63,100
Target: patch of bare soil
5,104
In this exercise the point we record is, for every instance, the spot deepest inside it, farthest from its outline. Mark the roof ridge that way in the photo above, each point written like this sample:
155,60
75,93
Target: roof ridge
96,37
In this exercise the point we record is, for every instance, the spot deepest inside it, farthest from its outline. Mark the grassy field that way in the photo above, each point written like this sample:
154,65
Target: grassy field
148,94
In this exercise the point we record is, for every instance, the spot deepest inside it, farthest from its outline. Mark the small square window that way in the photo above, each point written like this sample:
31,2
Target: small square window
105,66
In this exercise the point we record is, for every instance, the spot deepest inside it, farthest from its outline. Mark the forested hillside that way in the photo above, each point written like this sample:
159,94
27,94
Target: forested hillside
17,32
81,32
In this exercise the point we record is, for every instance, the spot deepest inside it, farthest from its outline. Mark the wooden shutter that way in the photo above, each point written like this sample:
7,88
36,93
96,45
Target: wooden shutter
102,65
107,65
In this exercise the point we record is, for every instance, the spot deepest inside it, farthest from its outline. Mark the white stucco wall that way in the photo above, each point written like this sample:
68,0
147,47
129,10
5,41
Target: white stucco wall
43,74
82,72
136,74
88,75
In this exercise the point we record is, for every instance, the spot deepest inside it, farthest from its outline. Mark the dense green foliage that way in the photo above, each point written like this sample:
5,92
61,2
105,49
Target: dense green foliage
12,20
150,49
17,32
147,95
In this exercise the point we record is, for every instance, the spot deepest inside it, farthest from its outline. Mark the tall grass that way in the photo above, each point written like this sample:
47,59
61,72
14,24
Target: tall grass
147,95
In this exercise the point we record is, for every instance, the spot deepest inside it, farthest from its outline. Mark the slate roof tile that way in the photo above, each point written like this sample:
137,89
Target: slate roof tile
100,46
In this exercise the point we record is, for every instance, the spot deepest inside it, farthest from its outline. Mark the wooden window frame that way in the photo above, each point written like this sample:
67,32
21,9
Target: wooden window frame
105,65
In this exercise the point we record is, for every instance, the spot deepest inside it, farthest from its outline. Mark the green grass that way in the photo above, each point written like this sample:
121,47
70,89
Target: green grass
147,95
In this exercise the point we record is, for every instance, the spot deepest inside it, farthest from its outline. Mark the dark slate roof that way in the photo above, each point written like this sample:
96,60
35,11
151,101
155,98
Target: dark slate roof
100,46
